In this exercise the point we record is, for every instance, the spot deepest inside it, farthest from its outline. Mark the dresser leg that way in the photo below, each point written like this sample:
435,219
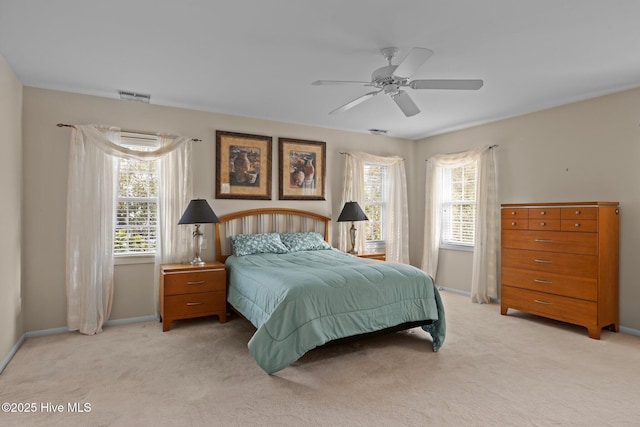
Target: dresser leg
166,325
503,310
594,332
222,316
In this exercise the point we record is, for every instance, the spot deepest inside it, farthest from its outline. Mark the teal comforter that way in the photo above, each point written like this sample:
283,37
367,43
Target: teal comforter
300,300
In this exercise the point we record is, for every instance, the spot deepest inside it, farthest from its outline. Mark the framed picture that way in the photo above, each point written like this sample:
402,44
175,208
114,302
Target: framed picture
243,166
302,169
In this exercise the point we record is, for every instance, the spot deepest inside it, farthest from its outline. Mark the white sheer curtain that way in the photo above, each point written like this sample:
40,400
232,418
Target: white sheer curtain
175,190
90,221
397,222
484,271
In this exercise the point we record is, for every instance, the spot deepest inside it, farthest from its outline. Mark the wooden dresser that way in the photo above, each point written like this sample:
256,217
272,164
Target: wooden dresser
560,260
188,291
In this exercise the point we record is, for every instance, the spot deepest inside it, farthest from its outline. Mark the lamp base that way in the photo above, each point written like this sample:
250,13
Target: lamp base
197,246
352,234
197,261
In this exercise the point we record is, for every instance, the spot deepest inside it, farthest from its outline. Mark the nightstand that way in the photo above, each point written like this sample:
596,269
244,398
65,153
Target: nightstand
188,291
380,256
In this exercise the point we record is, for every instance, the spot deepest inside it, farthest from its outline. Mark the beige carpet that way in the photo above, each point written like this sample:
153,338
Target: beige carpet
492,371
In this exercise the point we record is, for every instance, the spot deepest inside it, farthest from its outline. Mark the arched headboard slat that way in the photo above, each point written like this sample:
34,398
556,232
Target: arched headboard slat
268,220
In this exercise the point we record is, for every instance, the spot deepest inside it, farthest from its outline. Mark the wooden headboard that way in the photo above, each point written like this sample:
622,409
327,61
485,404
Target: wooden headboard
267,220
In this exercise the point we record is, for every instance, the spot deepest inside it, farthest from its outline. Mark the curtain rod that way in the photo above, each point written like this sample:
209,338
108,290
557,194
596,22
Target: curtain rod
458,152
346,152
60,125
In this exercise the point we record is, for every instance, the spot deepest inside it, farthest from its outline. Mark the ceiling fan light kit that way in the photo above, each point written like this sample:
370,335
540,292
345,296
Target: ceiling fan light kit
391,78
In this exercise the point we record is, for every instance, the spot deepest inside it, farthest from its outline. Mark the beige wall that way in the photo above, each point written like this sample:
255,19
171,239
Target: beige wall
46,149
11,317
582,151
578,152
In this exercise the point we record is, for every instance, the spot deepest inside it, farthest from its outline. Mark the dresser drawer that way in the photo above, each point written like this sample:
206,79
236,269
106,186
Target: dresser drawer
570,286
544,224
554,306
579,225
194,281
543,213
515,213
194,304
551,262
515,224
552,241
578,212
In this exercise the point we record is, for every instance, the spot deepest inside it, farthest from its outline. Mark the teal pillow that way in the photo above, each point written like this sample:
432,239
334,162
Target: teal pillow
248,244
307,241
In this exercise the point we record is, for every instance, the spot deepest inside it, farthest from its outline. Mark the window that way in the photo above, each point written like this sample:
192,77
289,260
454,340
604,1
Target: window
375,204
459,206
137,200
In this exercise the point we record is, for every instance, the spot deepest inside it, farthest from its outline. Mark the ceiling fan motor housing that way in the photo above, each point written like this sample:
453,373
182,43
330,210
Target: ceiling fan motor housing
384,76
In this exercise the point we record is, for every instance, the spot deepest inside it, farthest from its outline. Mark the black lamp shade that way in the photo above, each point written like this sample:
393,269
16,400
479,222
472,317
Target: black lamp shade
198,212
352,212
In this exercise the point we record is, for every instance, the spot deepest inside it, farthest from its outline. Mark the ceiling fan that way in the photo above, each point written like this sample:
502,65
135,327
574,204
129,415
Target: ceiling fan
391,78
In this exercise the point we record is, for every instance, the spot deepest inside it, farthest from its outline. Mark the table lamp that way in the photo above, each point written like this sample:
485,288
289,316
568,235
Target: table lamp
198,212
352,212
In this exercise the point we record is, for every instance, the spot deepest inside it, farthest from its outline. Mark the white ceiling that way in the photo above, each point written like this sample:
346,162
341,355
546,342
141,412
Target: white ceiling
257,58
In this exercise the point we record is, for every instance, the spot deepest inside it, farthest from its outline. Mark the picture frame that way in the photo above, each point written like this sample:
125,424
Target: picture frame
243,166
302,169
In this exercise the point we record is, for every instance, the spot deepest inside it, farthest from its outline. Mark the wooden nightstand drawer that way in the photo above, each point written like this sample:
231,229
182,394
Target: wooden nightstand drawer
194,281
194,304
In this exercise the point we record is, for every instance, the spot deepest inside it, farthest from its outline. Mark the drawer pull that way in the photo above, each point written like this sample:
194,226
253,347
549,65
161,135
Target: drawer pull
195,303
546,282
542,302
543,213
543,224
199,282
513,223
542,261
577,224
578,212
543,240
513,212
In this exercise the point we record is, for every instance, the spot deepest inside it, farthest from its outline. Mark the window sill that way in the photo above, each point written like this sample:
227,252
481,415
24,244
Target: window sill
134,259
461,248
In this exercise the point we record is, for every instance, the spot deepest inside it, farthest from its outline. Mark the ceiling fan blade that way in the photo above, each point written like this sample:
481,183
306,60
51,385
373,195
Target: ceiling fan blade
355,102
410,64
406,104
339,82
447,84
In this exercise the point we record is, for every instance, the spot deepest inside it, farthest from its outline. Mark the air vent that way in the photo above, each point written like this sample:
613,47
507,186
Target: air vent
134,96
378,131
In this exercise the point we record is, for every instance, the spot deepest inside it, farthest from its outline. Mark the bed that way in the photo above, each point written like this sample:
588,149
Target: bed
301,293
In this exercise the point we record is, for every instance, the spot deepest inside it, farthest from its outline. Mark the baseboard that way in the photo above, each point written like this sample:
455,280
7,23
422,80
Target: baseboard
62,330
453,290
117,322
45,332
13,351
629,331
